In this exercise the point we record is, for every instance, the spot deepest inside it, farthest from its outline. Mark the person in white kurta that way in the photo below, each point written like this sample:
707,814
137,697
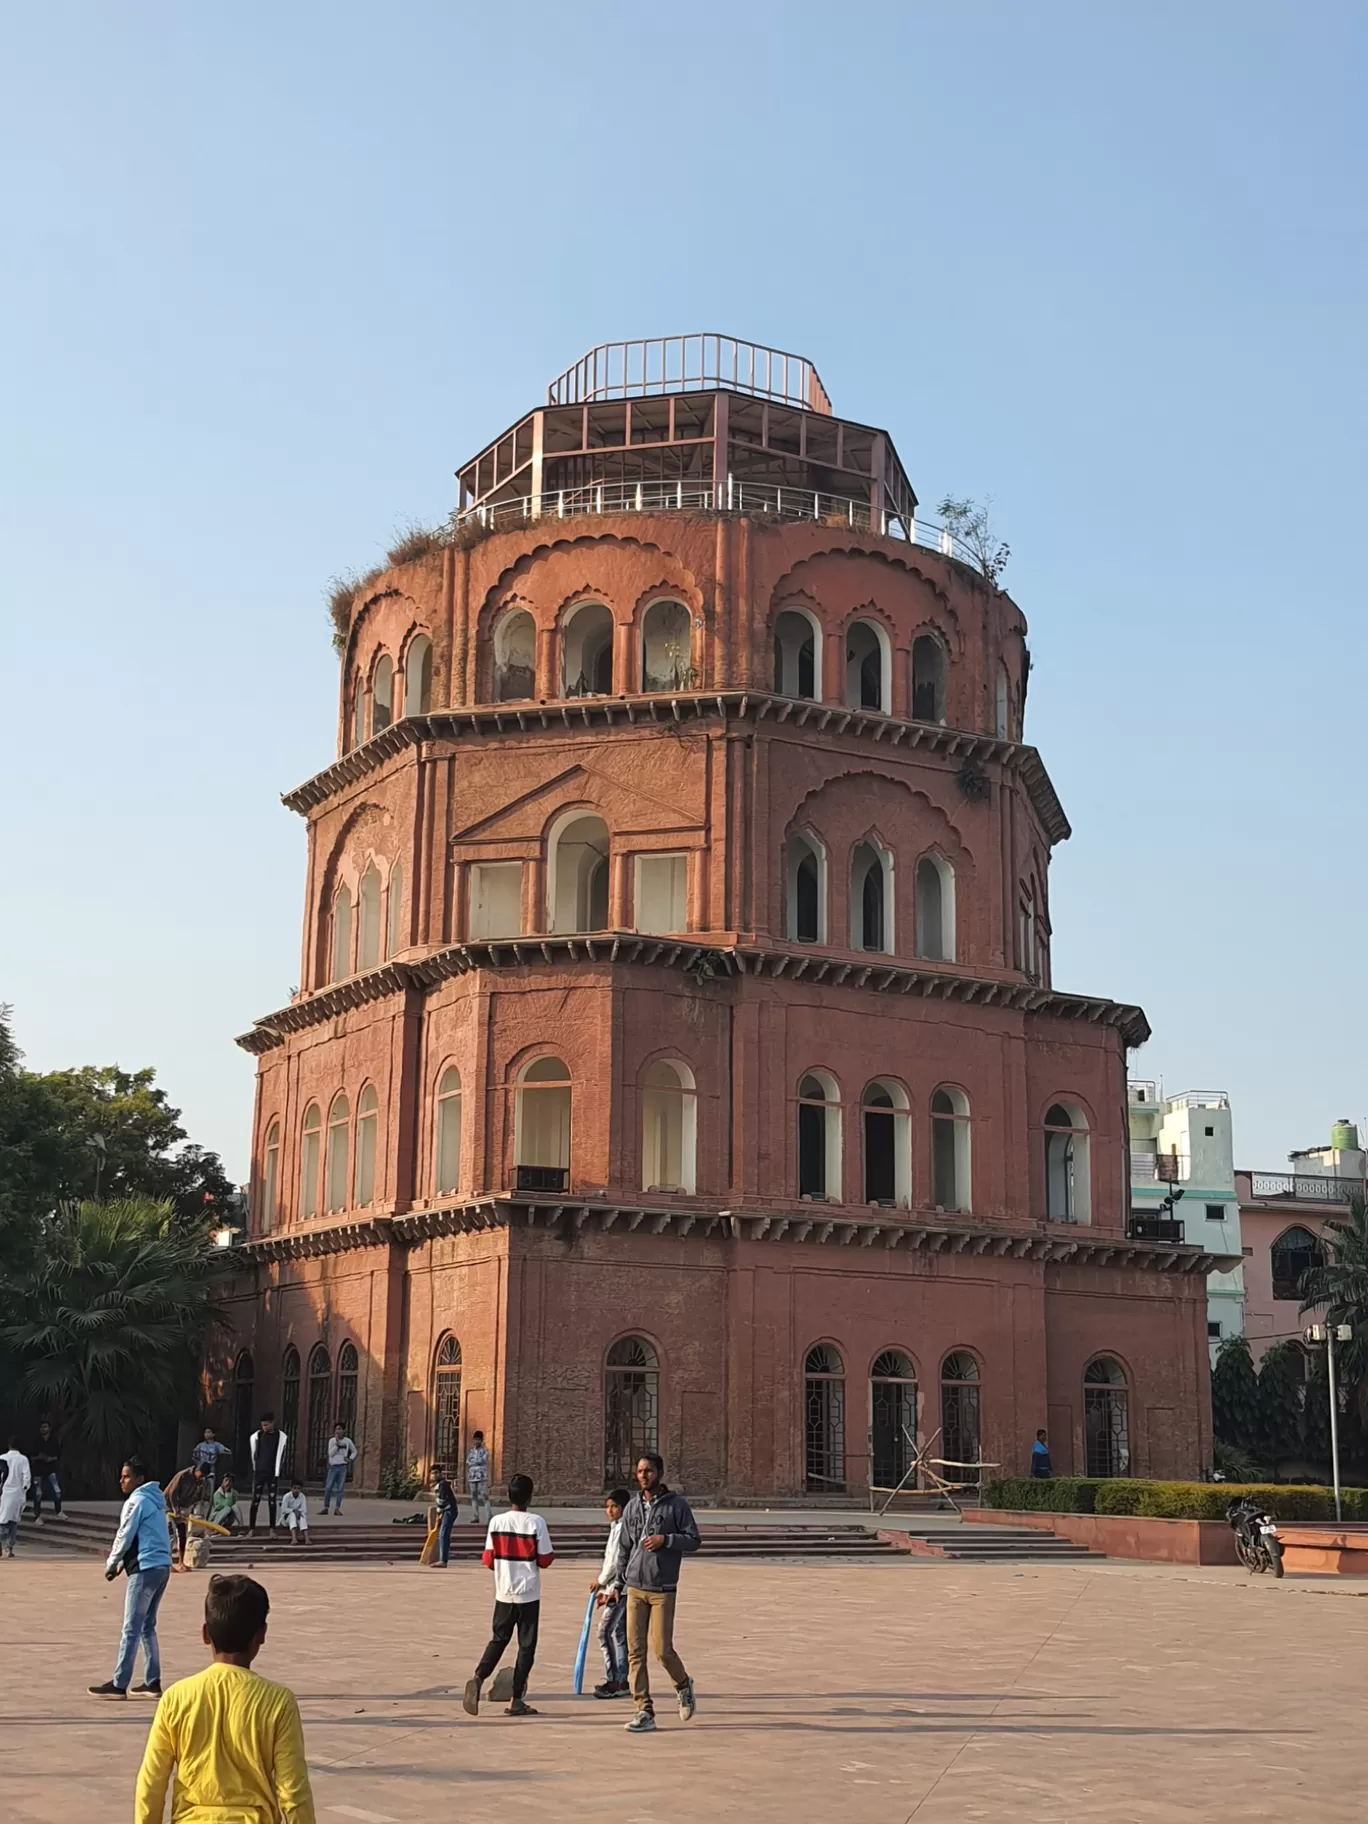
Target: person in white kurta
12,1495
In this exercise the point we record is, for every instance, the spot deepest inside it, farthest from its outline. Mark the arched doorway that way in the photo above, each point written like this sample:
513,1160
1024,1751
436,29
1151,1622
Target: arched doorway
1106,1418
893,1418
244,1419
320,1413
348,1365
960,1415
631,1408
289,1409
446,1405
824,1420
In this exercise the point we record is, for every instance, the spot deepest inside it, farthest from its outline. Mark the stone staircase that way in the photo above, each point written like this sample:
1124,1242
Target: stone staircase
990,1544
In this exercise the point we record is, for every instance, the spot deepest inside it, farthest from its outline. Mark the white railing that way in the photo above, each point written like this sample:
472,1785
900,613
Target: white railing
1200,1098
656,365
1305,1187
754,499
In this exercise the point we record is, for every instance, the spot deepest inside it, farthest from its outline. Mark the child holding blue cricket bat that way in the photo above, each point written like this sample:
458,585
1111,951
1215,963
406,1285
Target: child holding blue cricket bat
612,1605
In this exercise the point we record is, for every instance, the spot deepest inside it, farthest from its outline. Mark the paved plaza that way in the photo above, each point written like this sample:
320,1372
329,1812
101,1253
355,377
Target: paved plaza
878,1692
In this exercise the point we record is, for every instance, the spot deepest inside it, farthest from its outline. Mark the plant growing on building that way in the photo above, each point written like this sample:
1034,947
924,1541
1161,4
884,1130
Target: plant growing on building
972,526
973,782
400,1482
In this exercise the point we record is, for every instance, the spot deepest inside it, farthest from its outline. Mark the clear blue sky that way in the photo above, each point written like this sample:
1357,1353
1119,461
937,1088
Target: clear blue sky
274,271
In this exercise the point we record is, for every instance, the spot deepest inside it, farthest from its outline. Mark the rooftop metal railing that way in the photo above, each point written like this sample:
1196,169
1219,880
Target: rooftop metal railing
1304,1187
656,365
759,500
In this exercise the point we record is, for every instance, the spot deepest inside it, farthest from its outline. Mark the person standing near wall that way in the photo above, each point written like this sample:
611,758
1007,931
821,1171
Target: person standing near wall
142,1551
657,1529
13,1490
1040,1457
267,1447
477,1478
341,1456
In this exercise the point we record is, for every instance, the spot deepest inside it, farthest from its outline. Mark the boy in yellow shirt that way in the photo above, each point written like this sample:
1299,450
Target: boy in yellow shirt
234,1739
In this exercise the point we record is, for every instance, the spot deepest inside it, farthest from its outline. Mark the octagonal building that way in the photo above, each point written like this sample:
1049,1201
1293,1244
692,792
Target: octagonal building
677,1060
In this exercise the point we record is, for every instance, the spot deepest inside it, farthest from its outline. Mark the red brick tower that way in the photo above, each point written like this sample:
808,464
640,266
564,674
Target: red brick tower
677,1058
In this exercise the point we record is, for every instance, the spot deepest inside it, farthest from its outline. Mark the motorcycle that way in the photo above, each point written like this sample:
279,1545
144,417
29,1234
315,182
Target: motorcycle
1256,1537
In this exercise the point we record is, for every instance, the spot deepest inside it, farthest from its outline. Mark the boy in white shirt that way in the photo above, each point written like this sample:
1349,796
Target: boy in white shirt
612,1604
517,1550
294,1513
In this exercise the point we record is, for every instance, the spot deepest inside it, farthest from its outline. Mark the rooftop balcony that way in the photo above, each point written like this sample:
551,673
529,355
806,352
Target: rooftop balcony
1302,1187
660,365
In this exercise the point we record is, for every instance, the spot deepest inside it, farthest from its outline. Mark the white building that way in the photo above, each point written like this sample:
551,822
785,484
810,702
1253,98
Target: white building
1183,1172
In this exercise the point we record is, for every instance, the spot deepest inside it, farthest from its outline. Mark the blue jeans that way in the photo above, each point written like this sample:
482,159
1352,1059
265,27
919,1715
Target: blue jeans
334,1483
145,1591
612,1635
54,1489
9,1532
445,1523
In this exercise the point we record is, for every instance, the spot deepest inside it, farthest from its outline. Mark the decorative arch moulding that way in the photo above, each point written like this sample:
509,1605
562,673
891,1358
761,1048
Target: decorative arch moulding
796,963
870,725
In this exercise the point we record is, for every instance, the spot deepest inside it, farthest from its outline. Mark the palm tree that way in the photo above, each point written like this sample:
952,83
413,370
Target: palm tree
1339,1281
107,1330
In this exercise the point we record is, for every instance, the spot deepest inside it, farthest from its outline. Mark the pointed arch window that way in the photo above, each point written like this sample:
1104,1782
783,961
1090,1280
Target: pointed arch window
515,657
367,1137
289,1409
824,1420
886,1121
867,669
631,1408
310,1148
928,679
358,713
950,1149
667,648
339,1149
368,944
587,652
935,886
893,1418
1291,1257
348,1375
1106,1418
668,1123
382,694
819,1138
394,912
418,676
1067,1174
871,898
320,1413
797,655
341,934
805,899
267,1208
449,1132
446,1404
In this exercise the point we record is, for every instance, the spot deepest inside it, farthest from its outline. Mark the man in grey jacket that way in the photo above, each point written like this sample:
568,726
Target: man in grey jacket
657,1529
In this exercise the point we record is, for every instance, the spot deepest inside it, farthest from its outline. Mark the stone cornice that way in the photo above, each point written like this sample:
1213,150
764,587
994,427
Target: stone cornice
685,706
815,1225
705,961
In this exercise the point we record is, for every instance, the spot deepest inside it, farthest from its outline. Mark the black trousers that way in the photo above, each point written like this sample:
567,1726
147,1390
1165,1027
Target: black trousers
264,1485
524,1616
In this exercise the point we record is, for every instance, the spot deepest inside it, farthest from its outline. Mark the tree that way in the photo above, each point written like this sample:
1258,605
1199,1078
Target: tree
106,1331
1281,1394
1235,1395
971,525
1340,1282
30,1153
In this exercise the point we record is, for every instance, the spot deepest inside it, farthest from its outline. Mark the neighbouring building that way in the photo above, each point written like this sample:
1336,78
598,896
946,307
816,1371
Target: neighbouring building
1282,1217
677,1060
1183,1187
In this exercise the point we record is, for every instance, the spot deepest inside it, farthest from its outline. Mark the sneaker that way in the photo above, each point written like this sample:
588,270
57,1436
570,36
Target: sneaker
519,1708
107,1689
643,1723
687,1703
622,1690
607,1689
470,1703
145,1690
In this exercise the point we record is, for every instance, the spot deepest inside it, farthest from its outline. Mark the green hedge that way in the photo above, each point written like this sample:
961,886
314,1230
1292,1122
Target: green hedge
1167,1500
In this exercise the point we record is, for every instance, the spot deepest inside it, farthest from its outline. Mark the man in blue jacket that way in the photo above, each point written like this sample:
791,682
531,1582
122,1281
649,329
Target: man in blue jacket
142,1550
657,1529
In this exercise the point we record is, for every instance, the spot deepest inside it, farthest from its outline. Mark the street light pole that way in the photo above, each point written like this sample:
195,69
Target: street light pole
1329,1334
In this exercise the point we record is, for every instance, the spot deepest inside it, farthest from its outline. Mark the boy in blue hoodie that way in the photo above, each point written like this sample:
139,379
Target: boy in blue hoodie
142,1551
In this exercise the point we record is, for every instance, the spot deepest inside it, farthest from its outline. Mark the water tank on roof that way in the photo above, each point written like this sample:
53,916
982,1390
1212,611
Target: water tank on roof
1344,1137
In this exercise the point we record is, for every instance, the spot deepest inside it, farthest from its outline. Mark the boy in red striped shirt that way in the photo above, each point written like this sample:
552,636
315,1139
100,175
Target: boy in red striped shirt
517,1550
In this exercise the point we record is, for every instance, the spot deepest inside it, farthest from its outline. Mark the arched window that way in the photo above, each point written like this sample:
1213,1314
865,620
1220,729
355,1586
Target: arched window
541,1126
1067,1174
267,1208
446,1405
893,1419
668,1128
348,1366
577,878
418,676
935,909
950,1149
819,1138
394,912
289,1410
797,655
368,945
1106,1418
667,648
382,694
448,1146
309,1150
631,1408
367,1134
824,1420
871,898
587,652
515,656
244,1416
358,713
341,934
1293,1254
928,679
320,1413
960,1416
339,1146
1027,930
805,897
886,1121
866,683
1002,726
